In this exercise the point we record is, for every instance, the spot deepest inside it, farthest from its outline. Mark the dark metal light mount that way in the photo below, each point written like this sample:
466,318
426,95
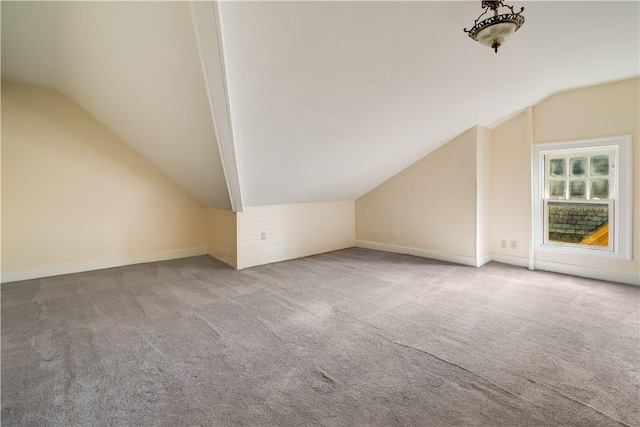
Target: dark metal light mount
496,29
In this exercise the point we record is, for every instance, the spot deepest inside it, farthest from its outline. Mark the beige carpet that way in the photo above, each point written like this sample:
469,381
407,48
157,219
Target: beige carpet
350,338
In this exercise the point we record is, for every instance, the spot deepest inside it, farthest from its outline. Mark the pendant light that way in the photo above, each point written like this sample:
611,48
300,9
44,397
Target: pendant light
496,29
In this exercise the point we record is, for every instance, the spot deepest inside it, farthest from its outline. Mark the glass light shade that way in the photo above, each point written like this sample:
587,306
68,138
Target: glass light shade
495,35
497,29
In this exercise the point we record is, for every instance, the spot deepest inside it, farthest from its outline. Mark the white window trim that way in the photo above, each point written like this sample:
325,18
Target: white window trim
622,197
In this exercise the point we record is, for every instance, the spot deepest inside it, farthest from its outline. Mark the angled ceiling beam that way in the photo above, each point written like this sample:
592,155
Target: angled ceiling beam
206,25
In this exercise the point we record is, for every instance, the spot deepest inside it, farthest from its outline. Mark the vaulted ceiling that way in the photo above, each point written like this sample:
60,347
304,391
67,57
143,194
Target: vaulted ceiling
135,67
327,99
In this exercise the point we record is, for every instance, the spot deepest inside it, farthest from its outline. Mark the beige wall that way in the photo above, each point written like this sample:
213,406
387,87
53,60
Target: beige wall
222,236
592,112
72,192
599,111
510,181
431,205
483,180
293,231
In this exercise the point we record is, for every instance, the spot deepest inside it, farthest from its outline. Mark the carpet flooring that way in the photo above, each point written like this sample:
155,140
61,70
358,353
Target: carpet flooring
349,338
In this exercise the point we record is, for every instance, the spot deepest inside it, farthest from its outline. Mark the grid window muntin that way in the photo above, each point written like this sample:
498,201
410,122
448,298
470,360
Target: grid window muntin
575,174
577,177
620,193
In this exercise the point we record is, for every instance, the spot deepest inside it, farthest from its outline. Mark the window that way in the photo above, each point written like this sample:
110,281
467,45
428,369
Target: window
577,200
582,196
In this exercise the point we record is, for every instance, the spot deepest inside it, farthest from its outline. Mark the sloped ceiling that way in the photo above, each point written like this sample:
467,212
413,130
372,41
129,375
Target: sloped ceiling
135,67
327,99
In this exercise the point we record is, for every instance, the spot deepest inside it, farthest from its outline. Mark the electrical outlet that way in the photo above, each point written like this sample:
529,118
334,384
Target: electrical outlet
263,236
503,243
514,244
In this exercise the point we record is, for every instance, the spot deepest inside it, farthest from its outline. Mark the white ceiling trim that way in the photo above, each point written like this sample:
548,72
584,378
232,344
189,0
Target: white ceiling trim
206,25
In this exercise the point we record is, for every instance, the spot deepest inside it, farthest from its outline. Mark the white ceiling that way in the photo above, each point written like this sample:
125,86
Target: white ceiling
135,67
328,99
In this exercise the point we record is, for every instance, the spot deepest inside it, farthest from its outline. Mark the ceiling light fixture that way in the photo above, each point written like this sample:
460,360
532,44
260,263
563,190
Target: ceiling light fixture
497,29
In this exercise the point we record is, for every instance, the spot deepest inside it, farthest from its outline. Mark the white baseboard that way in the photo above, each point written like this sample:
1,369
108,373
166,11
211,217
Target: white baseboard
511,260
589,272
555,267
78,267
483,260
440,256
574,270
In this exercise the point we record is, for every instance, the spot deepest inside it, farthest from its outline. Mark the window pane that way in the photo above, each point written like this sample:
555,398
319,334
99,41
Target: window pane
577,189
578,166
600,165
556,189
579,223
600,188
556,167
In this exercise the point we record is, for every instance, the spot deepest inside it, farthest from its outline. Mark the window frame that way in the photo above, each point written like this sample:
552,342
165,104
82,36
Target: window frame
619,201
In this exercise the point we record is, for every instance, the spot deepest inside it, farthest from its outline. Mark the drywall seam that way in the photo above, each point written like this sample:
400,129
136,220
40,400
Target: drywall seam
78,267
206,27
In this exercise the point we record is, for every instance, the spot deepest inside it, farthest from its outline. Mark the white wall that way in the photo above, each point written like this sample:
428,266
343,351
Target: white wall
75,197
428,209
598,111
510,181
135,67
461,201
483,192
293,231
